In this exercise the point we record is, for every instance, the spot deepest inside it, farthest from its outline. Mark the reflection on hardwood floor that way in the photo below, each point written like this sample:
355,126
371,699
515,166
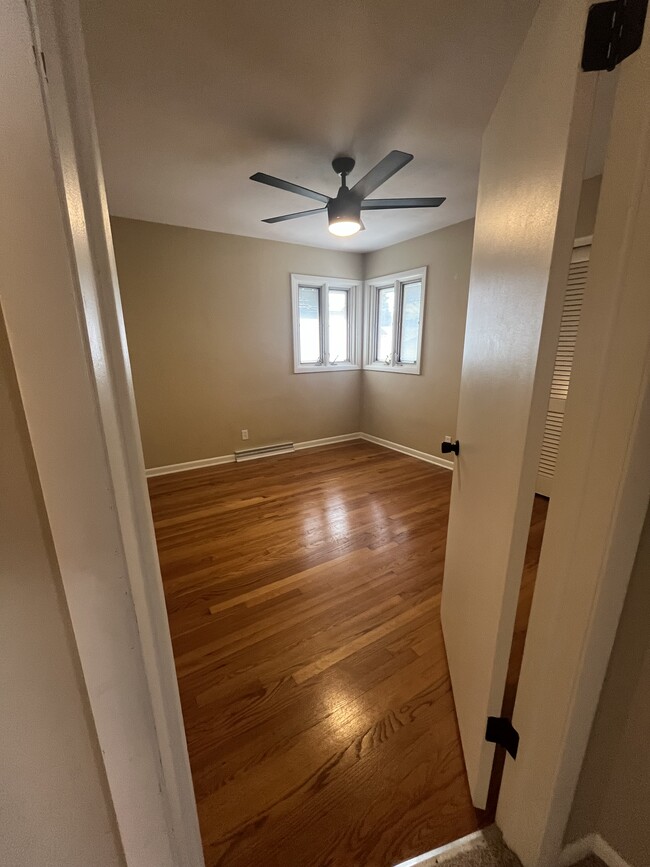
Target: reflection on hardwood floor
303,594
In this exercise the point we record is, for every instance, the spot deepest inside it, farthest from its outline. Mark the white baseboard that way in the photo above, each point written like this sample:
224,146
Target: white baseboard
406,450
576,851
592,844
327,441
308,444
230,459
189,465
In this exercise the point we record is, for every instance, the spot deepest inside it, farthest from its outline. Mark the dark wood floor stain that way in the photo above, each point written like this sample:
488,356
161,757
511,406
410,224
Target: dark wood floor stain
303,595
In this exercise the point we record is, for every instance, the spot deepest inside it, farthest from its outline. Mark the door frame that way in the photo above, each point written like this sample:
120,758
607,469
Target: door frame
601,492
61,304
535,799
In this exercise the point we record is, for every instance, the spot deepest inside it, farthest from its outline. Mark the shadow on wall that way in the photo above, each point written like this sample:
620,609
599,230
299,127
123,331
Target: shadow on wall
613,794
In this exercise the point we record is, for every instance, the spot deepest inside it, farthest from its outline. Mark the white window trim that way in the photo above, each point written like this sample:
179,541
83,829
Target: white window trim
324,284
371,293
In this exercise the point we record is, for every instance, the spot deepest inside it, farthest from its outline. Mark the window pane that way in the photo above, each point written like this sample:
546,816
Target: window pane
309,313
338,325
385,323
408,350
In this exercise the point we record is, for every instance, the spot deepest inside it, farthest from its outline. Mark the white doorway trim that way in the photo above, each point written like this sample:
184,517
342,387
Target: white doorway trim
599,501
60,300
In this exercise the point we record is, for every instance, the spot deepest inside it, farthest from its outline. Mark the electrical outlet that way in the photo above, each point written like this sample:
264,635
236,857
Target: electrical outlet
447,439
244,434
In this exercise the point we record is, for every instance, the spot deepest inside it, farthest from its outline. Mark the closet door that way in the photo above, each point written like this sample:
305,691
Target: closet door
563,363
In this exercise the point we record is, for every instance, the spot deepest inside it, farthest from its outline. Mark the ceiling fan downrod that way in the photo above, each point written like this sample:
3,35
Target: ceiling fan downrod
343,166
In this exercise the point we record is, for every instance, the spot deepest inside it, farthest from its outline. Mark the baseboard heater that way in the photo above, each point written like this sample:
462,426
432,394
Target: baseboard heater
264,452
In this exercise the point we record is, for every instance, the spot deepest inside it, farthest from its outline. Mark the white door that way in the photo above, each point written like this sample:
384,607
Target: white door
566,345
529,186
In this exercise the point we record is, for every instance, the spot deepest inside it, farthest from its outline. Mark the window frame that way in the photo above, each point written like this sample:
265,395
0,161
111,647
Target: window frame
372,288
324,284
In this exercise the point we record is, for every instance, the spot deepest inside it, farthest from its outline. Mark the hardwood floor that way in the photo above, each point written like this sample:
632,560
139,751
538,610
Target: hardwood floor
303,594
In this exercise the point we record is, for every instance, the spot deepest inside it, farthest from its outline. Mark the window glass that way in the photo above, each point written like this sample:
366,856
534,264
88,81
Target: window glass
385,323
338,326
309,324
410,332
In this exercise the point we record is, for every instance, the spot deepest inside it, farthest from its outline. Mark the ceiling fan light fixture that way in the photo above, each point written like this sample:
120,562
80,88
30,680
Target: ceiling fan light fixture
344,228
344,214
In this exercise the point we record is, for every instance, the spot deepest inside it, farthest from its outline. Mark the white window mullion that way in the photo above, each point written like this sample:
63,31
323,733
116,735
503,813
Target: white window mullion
352,324
324,325
397,323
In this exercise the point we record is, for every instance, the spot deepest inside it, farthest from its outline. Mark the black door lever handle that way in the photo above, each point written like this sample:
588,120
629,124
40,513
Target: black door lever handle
445,448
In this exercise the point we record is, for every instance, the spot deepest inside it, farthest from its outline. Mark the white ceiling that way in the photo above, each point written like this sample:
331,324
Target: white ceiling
193,96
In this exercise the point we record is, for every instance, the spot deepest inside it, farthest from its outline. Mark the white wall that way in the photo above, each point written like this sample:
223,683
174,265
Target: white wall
55,810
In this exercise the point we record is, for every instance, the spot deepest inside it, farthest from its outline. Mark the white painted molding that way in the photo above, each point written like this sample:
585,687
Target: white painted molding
327,441
189,465
592,844
576,851
307,444
608,854
230,459
406,450
68,345
449,850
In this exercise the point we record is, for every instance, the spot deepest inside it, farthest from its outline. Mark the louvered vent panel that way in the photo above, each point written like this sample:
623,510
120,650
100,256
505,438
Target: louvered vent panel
563,364
552,433
569,329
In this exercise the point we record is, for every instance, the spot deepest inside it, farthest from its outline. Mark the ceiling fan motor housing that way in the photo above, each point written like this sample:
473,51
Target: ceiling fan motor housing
345,208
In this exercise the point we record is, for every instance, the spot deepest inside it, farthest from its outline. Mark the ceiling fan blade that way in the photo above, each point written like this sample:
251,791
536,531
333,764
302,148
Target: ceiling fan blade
384,170
294,216
389,204
270,181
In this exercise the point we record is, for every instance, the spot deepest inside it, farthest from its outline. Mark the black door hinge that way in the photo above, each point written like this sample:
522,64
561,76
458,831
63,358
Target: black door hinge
614,31
500,731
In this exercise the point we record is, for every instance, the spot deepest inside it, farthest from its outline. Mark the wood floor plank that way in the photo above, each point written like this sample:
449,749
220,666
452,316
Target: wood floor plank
267,590
369,637
303,595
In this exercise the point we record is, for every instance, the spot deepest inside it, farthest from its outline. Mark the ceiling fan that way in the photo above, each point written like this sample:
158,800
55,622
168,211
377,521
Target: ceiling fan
344,210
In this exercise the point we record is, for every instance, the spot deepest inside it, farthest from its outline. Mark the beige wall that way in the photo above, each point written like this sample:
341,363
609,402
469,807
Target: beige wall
54,804
613,794
418,411
208,320
197,305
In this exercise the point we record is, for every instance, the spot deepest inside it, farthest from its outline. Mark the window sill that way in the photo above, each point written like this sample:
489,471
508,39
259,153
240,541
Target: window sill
326,368
387,368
